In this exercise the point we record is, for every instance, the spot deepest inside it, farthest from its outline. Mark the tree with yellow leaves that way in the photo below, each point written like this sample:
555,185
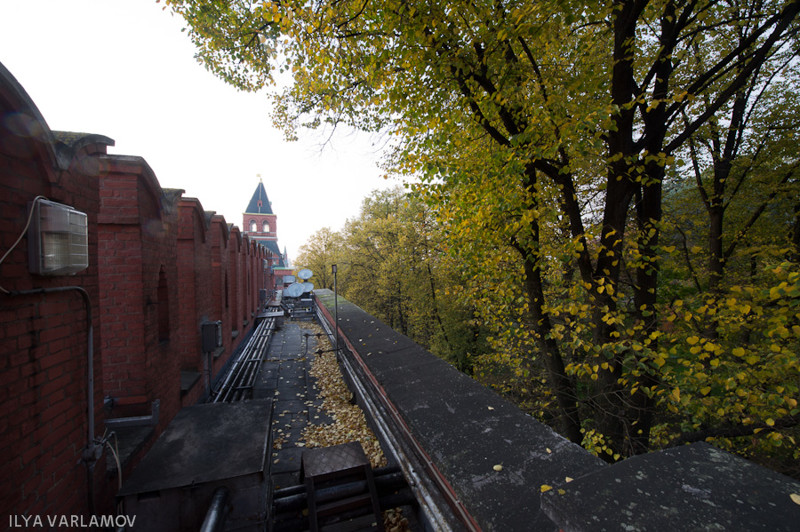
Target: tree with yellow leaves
544,133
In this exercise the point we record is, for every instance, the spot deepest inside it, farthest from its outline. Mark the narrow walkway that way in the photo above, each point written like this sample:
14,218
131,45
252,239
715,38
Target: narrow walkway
284,377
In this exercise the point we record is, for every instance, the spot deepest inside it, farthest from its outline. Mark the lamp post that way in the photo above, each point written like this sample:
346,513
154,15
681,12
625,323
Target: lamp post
335,311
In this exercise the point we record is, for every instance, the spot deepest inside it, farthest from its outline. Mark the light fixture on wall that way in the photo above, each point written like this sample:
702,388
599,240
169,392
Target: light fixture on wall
58,241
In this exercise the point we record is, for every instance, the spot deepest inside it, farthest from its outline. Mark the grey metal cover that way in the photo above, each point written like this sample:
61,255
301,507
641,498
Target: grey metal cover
206,443
305,274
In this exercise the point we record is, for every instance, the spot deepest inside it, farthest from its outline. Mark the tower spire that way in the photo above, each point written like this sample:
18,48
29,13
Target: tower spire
259,203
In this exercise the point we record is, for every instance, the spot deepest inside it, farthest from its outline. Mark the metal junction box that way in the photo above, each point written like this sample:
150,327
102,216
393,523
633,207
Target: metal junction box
211,332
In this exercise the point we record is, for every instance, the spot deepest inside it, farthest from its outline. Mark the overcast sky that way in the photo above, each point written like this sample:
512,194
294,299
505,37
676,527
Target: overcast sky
124,69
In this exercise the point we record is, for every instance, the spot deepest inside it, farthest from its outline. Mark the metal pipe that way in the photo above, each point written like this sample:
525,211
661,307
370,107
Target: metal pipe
239,380
297,499
292,523
378,474
217,511
223,390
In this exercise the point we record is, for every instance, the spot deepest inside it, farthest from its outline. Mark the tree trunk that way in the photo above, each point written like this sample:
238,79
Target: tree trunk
562,386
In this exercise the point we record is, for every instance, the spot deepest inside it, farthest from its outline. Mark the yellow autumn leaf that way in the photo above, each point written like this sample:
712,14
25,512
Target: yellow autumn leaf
498,467
770,422
738,351
545,487
795,498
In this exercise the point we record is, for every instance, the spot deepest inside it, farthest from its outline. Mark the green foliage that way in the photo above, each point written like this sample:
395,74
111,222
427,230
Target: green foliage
390,263
323,250
610,189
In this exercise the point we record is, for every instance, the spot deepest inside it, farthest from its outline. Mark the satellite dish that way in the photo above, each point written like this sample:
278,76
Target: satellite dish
288,279
305,274
307,287
294,290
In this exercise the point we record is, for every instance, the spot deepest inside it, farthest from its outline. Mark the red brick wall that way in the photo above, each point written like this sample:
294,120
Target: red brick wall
43,337
122,303
246,289
119,258
138,232
221,285
158,268
194,267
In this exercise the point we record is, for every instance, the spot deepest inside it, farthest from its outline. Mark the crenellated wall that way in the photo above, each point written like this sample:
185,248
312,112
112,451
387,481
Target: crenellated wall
159,266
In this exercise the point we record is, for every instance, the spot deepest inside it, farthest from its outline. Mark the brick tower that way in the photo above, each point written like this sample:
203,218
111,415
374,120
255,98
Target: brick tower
260,224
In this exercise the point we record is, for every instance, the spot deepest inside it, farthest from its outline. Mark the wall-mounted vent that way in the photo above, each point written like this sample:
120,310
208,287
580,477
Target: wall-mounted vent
58,240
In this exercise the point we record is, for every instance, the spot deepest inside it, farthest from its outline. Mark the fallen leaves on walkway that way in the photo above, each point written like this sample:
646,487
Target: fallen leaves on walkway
393,520
349,422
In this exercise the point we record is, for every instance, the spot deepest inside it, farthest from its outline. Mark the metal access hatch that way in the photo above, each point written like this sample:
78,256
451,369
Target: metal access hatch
205,447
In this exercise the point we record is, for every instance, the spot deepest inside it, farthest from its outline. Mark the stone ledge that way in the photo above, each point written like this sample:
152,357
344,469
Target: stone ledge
693,487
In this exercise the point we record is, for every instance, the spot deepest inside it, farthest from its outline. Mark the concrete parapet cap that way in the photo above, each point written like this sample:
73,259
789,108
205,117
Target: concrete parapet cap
693,487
